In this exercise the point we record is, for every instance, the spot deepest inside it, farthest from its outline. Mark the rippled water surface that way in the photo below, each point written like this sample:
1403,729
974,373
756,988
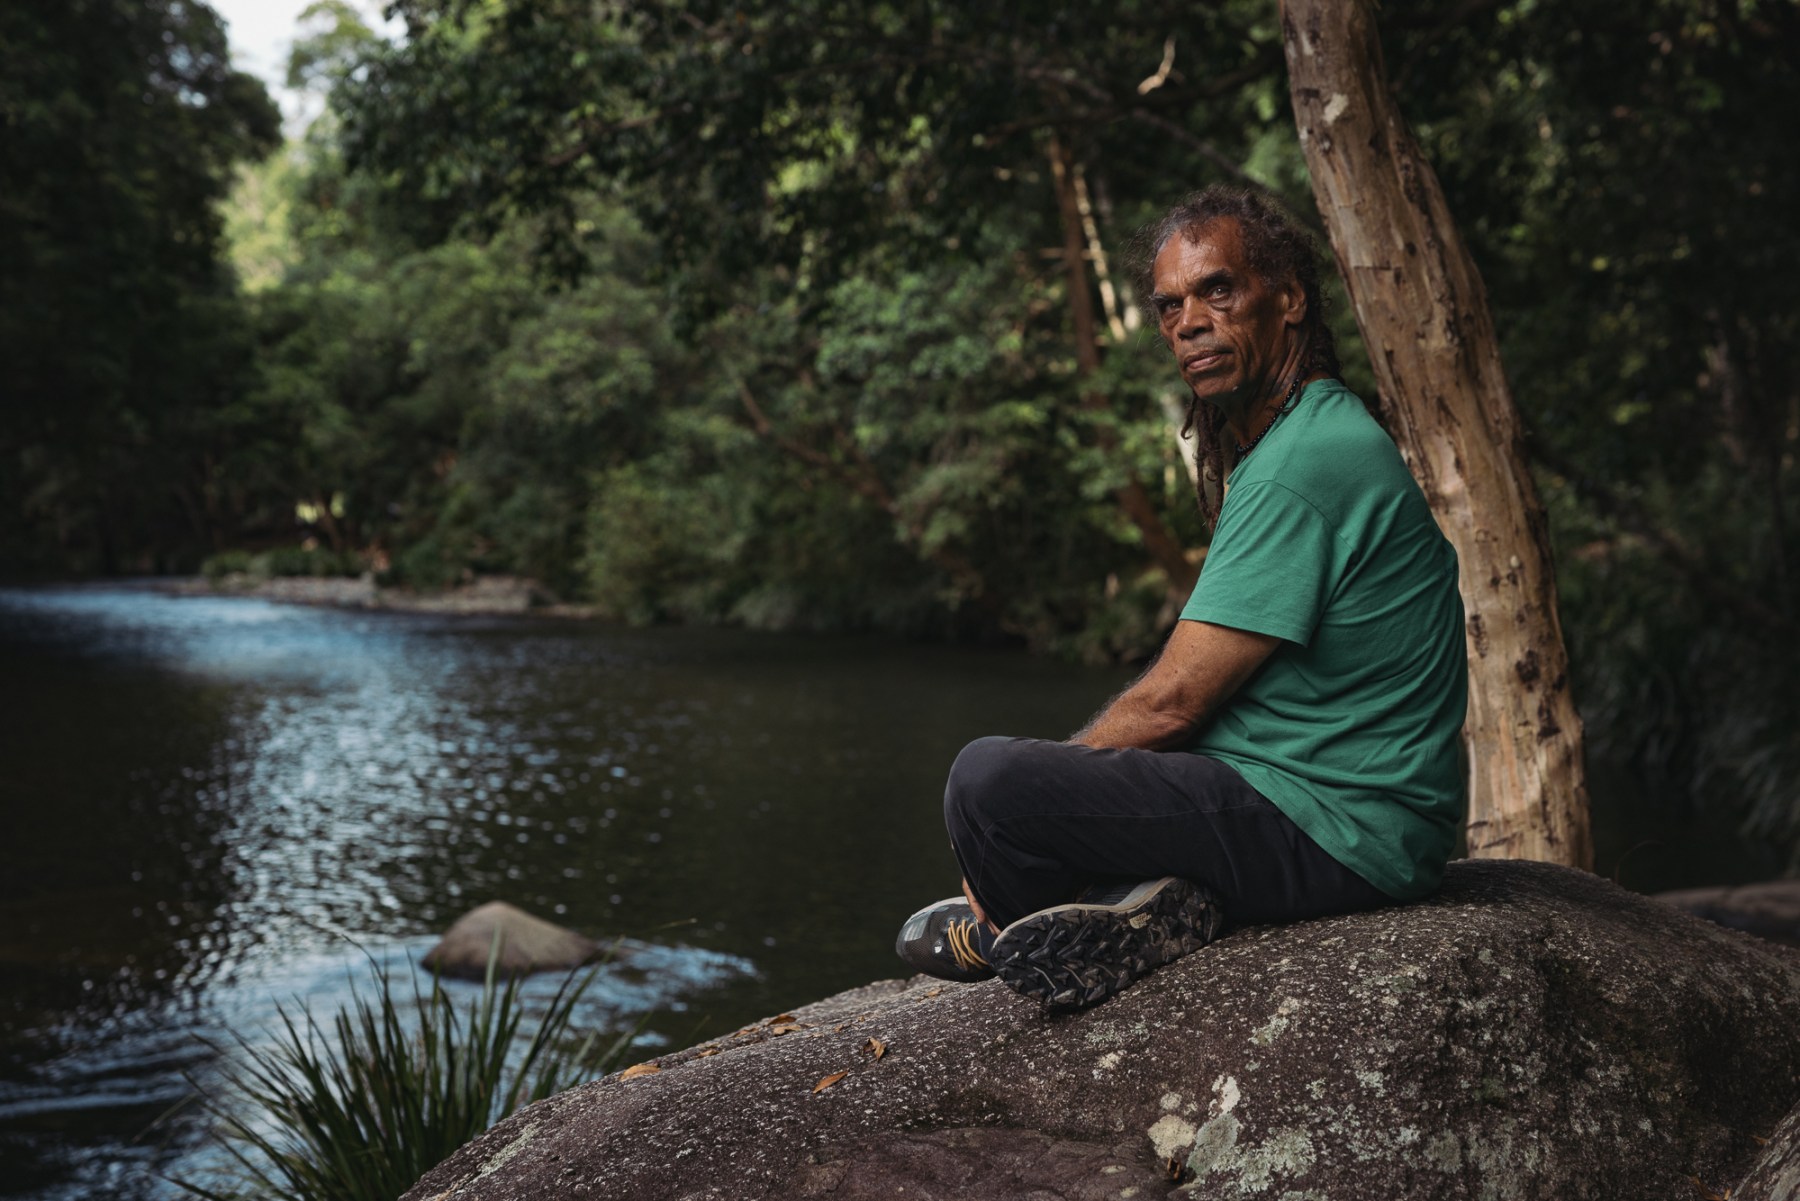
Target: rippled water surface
205,800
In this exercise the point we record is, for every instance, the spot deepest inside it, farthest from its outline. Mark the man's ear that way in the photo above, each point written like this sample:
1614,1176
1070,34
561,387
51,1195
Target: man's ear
1294,296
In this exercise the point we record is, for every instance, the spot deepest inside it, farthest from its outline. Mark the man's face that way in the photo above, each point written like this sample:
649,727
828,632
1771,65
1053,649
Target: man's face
1227,328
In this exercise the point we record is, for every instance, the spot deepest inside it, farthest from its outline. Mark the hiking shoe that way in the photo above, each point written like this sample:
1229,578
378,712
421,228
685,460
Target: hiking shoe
945,940
1073,956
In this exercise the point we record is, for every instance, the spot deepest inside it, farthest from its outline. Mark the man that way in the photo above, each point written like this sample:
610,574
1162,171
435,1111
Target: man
1294,750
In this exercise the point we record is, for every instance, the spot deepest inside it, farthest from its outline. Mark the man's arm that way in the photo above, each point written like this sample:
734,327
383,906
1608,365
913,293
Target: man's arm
1200,667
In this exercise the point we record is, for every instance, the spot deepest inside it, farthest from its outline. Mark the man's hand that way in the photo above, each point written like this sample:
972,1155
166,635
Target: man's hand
1200,667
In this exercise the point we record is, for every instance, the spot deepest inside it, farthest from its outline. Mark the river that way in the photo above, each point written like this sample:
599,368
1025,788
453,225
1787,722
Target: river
210,804
213,806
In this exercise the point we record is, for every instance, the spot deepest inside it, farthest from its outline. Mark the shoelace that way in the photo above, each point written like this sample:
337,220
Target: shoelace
962,937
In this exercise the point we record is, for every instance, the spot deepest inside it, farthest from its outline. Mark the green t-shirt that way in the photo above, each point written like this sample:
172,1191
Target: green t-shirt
1351,727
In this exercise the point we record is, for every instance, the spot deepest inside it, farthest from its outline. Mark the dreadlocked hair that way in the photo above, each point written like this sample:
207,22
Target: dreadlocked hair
1278,251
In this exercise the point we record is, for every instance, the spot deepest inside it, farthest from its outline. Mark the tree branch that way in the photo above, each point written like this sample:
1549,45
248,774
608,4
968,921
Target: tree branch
869,485
1164,549
1165,97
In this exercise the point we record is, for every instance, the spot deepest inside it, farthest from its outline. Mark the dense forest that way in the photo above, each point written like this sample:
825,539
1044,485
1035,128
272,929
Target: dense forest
822,314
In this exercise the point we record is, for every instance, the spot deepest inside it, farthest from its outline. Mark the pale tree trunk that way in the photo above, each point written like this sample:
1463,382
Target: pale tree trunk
1424,315
1163,547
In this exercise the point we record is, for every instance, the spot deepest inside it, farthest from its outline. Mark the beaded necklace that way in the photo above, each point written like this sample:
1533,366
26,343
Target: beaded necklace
1287,404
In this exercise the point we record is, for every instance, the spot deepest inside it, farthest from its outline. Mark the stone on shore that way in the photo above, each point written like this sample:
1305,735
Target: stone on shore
527,944
1529,1032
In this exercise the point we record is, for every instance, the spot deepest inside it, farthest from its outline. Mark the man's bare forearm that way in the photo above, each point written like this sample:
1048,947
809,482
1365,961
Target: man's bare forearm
1199,668
1128,721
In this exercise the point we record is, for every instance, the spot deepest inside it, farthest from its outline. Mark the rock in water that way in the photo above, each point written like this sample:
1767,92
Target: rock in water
1530,1032
1769,910
527,944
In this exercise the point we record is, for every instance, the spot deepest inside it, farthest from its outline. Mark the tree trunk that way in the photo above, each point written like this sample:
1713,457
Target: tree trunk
1133,498
1424,315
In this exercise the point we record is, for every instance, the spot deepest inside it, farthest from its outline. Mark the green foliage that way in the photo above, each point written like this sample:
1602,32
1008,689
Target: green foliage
456,410
761,314
659,548
123,342
837,187
258,221
228,563
789,133
360,1111
849,205
333,43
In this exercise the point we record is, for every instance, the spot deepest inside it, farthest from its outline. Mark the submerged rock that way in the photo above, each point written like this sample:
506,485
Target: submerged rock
1770,909
527,944
1529,1032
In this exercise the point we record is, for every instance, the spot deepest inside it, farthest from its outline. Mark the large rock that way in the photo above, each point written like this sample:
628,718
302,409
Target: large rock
1529,1032
527,944
1776,1174
1770,909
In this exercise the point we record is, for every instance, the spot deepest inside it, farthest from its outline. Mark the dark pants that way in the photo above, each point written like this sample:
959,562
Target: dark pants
1034,822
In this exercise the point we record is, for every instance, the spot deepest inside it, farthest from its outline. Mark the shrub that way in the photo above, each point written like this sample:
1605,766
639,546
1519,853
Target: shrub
228,562
307,561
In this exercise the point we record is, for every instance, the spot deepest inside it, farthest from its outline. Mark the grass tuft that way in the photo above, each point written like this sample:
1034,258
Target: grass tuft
359,1113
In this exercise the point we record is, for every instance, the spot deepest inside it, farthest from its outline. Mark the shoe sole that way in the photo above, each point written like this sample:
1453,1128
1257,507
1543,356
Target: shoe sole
1073,956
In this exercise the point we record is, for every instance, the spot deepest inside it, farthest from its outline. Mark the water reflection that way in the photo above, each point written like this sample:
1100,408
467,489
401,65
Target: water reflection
205,798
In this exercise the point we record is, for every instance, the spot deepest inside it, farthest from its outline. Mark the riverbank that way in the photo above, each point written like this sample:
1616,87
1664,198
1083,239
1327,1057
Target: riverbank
485,595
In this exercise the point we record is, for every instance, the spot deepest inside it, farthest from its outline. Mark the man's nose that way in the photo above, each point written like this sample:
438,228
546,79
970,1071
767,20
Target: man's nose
1193,318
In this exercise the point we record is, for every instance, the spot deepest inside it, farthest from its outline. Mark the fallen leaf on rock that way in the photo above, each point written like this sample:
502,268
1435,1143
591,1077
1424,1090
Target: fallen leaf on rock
787,1029
708,1051
779,1019
639,1069
1708,1193
830,1080
934,992
875,1047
